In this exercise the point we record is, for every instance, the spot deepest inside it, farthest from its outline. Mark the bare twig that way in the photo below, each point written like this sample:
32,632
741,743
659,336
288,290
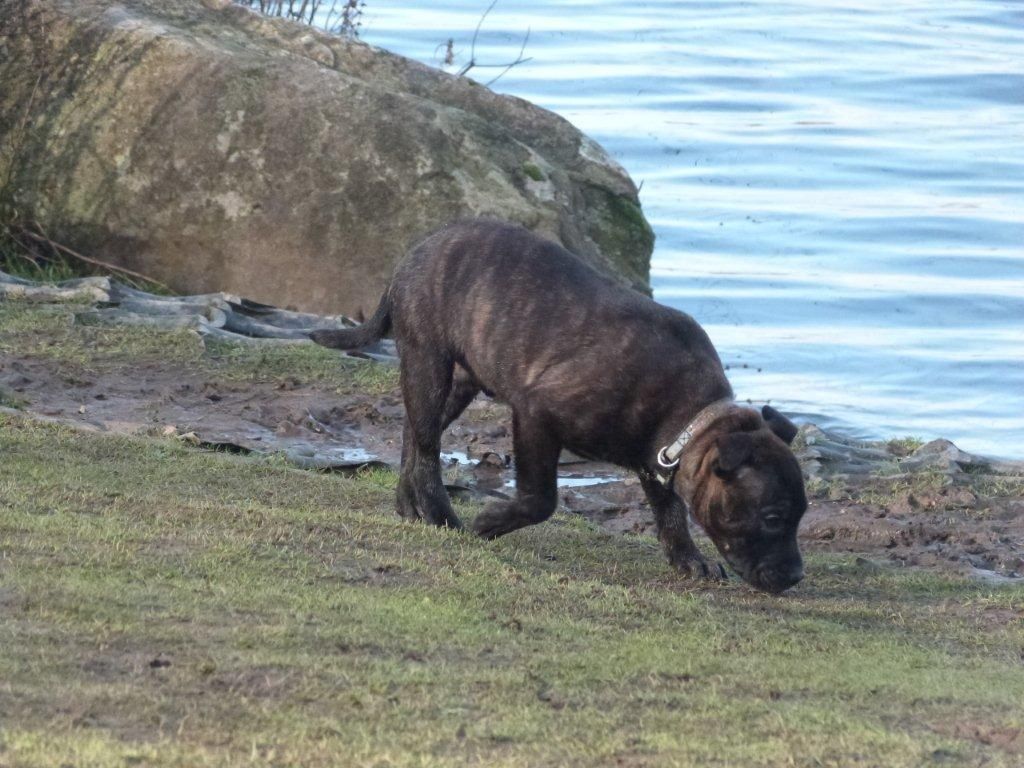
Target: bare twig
342,17
24,251
449,52
476,33
40,237
520,59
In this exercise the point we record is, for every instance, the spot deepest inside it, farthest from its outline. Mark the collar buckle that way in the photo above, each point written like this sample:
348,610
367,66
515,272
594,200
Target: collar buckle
669,455
664,462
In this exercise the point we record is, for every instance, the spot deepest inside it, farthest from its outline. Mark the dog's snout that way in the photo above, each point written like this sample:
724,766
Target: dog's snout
781,577
795,575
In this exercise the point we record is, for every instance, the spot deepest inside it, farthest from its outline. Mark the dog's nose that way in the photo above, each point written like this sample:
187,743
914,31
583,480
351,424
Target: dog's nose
782,577
795,575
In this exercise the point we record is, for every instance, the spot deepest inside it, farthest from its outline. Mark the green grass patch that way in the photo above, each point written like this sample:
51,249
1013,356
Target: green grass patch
999,485
169,606
886,489
50,332
904,446
9,399
306,362
41,271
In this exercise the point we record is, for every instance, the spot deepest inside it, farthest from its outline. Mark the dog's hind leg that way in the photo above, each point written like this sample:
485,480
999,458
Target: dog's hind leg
405,501
536,455
426,378
464,389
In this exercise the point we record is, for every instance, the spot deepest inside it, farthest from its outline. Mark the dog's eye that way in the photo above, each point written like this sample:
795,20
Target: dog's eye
771,519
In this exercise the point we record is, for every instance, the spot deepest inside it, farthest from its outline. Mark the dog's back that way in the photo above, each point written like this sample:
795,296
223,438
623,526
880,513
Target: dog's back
540,329
483,267
534,325
512,306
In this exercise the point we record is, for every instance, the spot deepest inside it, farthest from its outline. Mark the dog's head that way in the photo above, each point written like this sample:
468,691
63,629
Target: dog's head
746,490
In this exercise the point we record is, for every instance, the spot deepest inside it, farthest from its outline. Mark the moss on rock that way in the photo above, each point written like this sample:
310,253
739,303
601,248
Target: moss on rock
622,229
533,171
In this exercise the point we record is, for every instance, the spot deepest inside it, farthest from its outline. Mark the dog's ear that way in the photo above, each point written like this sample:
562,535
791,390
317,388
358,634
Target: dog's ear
779,424
733,450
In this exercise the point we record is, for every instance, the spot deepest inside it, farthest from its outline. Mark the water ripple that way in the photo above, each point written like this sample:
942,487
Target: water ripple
837,186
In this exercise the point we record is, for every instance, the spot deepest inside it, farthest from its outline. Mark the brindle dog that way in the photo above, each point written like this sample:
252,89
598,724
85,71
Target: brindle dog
589,365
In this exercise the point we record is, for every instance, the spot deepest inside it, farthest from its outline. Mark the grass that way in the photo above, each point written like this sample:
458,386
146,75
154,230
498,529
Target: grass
885,490
17,260
50,332
1007,486
164,605
10,399
167,606
49,271
904,446
240,362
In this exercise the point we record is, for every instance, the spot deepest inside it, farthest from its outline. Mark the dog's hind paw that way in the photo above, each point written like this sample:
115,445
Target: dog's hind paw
409,507
490,524
498,519
442,518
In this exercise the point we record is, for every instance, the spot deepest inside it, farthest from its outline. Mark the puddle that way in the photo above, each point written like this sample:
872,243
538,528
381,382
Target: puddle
462,459
456,457
583,482
329,457
574,482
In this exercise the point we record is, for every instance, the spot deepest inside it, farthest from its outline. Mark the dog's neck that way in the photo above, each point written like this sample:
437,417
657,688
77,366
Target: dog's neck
686,423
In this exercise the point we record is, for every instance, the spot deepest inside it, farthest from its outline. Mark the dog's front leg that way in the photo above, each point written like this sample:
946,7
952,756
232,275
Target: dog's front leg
674,532
536,455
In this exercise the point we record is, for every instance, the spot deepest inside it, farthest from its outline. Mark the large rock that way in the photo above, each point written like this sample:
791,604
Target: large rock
216,149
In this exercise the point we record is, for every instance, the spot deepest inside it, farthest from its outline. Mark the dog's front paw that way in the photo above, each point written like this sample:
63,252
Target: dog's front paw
695,566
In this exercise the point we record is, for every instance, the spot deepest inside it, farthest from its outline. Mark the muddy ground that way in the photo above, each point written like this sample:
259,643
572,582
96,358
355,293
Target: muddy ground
895,504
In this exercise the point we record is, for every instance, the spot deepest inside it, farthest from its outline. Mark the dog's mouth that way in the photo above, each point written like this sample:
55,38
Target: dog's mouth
774,578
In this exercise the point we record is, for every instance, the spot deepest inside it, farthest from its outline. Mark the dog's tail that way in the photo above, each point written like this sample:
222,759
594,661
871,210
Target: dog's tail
363,335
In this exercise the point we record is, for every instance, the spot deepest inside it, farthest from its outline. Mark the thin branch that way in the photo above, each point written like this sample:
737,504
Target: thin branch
24,250
519,60
41,237
489,83
476,33
509,64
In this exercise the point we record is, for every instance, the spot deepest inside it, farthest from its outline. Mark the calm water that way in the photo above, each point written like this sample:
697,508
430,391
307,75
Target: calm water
837,187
